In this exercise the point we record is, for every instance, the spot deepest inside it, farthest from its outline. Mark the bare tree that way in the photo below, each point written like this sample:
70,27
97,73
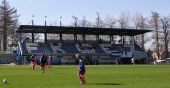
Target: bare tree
110,22
75,23
165,24
155,24
8,23
140,23
124,20
84,22
99,22
124,23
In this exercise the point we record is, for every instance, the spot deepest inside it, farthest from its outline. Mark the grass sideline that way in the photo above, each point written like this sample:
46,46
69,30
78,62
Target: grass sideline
98,76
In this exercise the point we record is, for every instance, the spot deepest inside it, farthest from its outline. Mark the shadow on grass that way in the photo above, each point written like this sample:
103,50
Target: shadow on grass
105,84
6,83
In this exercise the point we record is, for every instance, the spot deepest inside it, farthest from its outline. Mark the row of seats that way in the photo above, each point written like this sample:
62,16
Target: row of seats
73,48
34,48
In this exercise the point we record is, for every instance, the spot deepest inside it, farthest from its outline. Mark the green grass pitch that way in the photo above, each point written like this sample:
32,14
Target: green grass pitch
97,76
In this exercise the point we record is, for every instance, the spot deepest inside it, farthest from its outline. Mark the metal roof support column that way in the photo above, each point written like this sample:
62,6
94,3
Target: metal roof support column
45,33
61,37
121,39
132,44
32,37
84,38
75,38
111,38
45,37
32,32
97,38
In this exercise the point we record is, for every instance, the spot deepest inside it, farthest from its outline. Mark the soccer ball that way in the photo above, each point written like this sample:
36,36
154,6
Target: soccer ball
5,81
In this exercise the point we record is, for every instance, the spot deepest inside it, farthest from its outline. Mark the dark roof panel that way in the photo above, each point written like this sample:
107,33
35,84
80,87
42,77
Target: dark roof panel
79,30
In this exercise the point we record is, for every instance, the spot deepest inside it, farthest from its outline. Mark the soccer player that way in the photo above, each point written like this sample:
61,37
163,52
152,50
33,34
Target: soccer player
33,62
43,62
81,69
50,61
133,60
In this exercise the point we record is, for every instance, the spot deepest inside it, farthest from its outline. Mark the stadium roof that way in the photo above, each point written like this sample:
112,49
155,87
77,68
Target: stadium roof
79,30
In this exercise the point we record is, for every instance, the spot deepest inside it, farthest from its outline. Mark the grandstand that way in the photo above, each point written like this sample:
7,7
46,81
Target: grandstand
96,45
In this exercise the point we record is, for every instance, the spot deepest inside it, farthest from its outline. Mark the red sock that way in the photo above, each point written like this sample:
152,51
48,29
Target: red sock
83,79
33,67
80,77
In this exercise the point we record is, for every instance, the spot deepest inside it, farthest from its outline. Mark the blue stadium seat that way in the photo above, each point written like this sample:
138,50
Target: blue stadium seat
98,48
72,48
69,48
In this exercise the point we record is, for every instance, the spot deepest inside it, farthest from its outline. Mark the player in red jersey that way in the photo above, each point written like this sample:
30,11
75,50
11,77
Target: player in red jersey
50,61
81,69
33,62
43,62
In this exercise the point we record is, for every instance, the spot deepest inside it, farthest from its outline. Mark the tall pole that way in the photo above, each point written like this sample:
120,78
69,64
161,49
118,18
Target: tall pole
61,37
133,44
33,25
33,19
45,21
75,20
98,19
60,21
84,21
45,34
